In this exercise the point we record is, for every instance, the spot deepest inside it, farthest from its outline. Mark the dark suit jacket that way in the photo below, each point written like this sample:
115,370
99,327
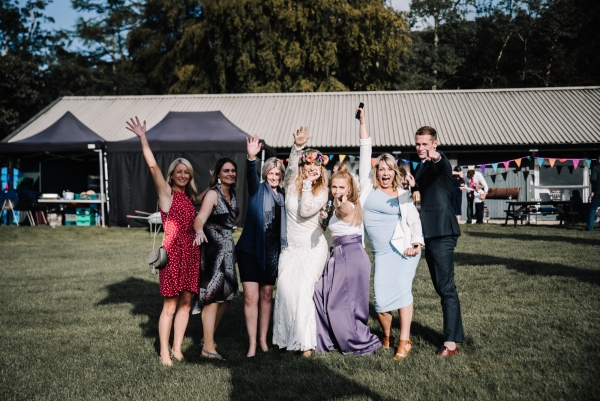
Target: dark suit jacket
435,184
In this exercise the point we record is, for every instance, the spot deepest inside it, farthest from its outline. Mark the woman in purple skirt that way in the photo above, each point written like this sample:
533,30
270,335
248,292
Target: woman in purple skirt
342,294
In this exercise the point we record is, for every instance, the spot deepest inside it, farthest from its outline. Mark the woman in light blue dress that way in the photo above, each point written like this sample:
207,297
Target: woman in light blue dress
394,227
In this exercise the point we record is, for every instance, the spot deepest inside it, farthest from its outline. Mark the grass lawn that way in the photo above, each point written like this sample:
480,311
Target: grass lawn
79,311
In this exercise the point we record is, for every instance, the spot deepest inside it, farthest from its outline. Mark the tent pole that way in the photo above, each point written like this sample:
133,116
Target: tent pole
106,183
100,157
262,159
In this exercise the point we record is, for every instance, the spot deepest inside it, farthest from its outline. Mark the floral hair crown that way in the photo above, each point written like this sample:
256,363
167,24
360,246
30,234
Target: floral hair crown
313,156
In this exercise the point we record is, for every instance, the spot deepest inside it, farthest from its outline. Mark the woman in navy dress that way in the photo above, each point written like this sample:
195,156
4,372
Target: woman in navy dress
261,242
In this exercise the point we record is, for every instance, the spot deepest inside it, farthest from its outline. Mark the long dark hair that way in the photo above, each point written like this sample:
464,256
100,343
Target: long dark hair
218,166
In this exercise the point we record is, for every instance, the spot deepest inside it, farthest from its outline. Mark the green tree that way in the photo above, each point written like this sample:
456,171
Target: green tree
273,46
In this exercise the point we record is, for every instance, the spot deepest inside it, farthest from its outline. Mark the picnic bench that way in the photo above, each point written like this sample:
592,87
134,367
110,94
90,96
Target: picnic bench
519,210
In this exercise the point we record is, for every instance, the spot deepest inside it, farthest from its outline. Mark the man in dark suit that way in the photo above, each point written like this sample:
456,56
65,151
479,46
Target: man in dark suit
440,230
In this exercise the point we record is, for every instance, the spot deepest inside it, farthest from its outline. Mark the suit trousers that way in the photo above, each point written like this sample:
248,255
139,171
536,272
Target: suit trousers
439,253
470,201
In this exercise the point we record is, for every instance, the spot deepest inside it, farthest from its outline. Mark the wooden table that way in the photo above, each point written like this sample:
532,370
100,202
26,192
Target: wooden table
74,202
518,210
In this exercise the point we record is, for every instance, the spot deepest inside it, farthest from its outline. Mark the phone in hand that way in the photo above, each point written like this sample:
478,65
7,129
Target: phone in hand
360,106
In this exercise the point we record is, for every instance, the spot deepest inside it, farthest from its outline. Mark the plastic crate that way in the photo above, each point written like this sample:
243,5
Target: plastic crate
86,221
83,211
70,219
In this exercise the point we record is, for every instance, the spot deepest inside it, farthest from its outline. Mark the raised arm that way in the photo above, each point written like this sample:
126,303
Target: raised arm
300,138
366,149
253,147
162,187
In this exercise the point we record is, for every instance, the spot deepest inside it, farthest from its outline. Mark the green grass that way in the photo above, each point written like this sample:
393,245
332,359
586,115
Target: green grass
79,313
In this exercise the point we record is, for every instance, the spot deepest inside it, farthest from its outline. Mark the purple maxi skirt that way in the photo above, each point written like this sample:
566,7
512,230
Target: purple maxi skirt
342,300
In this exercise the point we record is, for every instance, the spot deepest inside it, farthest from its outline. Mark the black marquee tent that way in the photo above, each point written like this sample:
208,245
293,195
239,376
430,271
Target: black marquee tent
200,137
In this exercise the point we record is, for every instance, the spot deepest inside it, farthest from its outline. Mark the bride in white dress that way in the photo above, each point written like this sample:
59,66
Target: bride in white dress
301,263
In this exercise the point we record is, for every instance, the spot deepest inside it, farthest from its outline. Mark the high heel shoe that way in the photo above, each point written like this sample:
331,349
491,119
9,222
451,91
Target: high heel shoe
387,342
404,348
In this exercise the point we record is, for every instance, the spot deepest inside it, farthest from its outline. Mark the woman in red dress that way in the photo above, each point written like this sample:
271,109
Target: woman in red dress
179,279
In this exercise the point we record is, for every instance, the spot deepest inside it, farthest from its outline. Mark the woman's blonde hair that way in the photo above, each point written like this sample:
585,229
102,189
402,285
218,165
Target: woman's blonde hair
353,195
269,165
399,172
319,183
190,189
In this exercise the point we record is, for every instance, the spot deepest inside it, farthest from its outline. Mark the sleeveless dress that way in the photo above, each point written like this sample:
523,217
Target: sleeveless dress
342,294
300,264
218,278
394,273
181,273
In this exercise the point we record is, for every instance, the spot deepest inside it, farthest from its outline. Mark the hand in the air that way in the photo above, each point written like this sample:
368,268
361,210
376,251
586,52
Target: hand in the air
136,127
301,136
253,146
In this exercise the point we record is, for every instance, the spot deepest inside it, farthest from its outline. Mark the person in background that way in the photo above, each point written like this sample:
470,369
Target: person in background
214,233
394,227
441,231
474,177
479,205
179,279
459,186
301,263
595,195
261,242
342,294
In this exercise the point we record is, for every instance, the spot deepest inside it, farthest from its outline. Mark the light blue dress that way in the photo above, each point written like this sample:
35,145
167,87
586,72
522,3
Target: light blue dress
394,273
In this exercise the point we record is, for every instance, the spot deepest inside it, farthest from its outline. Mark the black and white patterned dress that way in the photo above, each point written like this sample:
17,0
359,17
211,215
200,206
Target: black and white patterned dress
218,278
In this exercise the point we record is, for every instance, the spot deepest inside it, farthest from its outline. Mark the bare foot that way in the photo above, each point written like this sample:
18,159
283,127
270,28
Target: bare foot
264,347
251,351
307,353
177,355
166,361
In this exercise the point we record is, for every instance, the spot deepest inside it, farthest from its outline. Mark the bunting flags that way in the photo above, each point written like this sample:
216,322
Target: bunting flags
471,167
482,167
415,165
342,157
559,169
540,161
588,163
495,166
518,161
575,163
351,158
552,161
373,160
506,164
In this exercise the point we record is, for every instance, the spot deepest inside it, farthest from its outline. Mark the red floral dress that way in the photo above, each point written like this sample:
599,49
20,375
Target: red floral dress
182,271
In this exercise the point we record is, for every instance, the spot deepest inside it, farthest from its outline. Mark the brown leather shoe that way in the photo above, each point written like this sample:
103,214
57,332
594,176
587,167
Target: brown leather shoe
387,342
444,351
404,348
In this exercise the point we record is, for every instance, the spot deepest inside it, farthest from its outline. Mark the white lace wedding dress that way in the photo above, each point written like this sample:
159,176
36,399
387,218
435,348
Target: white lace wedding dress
300,264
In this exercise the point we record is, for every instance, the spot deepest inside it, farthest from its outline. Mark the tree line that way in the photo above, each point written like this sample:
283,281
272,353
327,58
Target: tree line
137,47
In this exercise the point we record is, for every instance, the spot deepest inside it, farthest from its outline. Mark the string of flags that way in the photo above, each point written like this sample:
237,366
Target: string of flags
506,164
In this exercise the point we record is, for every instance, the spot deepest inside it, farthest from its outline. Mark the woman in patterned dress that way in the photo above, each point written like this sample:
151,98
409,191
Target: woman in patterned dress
179,279
301,263
214,232
260,244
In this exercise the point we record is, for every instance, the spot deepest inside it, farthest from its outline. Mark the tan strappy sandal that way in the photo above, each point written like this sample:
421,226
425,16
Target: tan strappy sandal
404,348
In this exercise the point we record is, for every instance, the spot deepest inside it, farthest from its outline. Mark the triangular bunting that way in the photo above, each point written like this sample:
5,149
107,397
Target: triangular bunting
570,169
518,161
588,163
471,167
559,169
342,157
552,161
506,164
562,160
331,157
351,158
373,160
575,163
482,167
495,166
404,161
397,161
414,165
540,161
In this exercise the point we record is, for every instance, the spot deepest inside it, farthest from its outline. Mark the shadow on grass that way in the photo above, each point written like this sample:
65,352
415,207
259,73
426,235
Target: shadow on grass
532,237
144,297
273,375
530,267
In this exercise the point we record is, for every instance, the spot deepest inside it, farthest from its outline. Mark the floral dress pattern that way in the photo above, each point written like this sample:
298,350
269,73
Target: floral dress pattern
218,278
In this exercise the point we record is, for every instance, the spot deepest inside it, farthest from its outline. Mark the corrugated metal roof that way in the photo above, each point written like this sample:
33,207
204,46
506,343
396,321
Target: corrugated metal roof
462,117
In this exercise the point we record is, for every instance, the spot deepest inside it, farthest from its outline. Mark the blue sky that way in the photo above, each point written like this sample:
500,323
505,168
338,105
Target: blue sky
65,16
